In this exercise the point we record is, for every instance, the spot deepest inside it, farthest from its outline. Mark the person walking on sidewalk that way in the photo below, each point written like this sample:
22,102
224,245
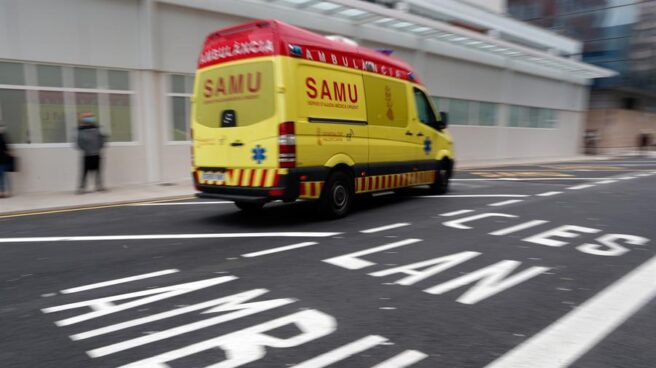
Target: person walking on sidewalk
6,162
91,142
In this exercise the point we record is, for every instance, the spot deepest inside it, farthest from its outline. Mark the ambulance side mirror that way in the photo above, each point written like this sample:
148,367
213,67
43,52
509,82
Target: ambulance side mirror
444,120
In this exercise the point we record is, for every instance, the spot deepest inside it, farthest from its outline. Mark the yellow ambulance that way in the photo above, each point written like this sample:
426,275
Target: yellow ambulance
281,113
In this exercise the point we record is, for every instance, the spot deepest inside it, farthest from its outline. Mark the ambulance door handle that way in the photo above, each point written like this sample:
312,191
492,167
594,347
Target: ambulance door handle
408,133
236,144
420,134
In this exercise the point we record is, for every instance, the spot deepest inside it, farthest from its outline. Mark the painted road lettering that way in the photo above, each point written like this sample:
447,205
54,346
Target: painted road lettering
487,281
605,245
240,347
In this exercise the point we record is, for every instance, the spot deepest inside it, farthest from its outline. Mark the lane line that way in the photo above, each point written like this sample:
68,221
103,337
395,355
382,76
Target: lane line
606,182
380,194
386,227
566,340
477,196
456,213
503,203
177,203
342,352
278,249
118,281
519,227
405,359
168,236
582,186
527,179
643,174
548,194
627,178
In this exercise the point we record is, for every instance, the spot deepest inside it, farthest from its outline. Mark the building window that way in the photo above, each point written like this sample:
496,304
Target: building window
57,94
532,117
13,113
467,112
179,95
52,113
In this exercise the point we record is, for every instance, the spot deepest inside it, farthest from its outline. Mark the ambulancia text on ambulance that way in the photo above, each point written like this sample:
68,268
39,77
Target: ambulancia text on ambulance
281,113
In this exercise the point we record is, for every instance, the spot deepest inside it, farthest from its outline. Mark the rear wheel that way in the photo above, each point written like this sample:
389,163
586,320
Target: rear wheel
249,206
441,183
337,196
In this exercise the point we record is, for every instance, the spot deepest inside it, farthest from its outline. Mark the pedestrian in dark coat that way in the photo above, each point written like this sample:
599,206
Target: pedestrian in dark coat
5,161
91,142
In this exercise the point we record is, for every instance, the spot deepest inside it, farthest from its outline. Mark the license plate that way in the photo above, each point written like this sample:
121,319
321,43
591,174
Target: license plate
213,176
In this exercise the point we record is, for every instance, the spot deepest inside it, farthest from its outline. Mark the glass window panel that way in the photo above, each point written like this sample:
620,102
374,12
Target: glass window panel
180,106
459,111
189,84
487,114
515,116
533,117
87,103
120,116
118,79
49,76
178,83
85,78
11,73
424,110
53,117
13,114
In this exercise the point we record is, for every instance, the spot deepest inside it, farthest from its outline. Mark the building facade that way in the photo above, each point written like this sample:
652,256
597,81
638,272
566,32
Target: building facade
618,35
131,62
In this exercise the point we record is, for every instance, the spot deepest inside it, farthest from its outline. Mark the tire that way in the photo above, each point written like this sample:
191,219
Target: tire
337,196
441,184
249,207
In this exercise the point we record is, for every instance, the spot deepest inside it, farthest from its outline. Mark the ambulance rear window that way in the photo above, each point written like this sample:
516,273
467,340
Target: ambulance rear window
235,95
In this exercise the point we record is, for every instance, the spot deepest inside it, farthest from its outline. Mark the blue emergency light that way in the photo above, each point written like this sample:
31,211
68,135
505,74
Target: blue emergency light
295,50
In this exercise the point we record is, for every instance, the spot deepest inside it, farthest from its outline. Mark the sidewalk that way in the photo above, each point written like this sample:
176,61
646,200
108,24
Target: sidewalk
49,201
34,202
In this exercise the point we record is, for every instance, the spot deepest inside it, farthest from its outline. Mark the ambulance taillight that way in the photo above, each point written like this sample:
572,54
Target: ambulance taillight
286,145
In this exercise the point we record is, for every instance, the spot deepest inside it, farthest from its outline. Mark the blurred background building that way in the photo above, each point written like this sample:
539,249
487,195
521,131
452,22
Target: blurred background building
616,34
513,90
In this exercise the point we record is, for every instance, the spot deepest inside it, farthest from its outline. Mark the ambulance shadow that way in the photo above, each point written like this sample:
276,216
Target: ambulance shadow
276,215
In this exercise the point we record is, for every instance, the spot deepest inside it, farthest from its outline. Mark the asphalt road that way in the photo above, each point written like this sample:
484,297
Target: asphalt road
519,266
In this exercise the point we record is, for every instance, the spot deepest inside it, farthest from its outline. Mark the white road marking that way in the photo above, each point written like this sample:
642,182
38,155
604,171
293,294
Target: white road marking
386,227
497,204
178,203
512,229
606,182
582,186
382,194
118,281
477,196
643,174
168,236
352,262
456,213
279,249
342,352
529,179
627,178
566,340
548,194
405,359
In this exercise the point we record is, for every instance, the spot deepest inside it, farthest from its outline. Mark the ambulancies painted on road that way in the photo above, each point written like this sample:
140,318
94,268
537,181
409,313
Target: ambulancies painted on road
283,113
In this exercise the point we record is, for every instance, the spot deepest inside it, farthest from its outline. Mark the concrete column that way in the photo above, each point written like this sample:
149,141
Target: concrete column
148,91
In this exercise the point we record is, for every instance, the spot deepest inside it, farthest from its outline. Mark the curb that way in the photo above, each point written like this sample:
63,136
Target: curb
90,206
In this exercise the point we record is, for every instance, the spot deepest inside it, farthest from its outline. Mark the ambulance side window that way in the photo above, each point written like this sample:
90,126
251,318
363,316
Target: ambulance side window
424,111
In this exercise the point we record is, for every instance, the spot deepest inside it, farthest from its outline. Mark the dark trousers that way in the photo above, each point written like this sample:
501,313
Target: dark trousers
91,163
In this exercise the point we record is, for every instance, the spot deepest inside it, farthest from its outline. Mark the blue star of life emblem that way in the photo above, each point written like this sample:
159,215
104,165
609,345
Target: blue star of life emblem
427,146
259,154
